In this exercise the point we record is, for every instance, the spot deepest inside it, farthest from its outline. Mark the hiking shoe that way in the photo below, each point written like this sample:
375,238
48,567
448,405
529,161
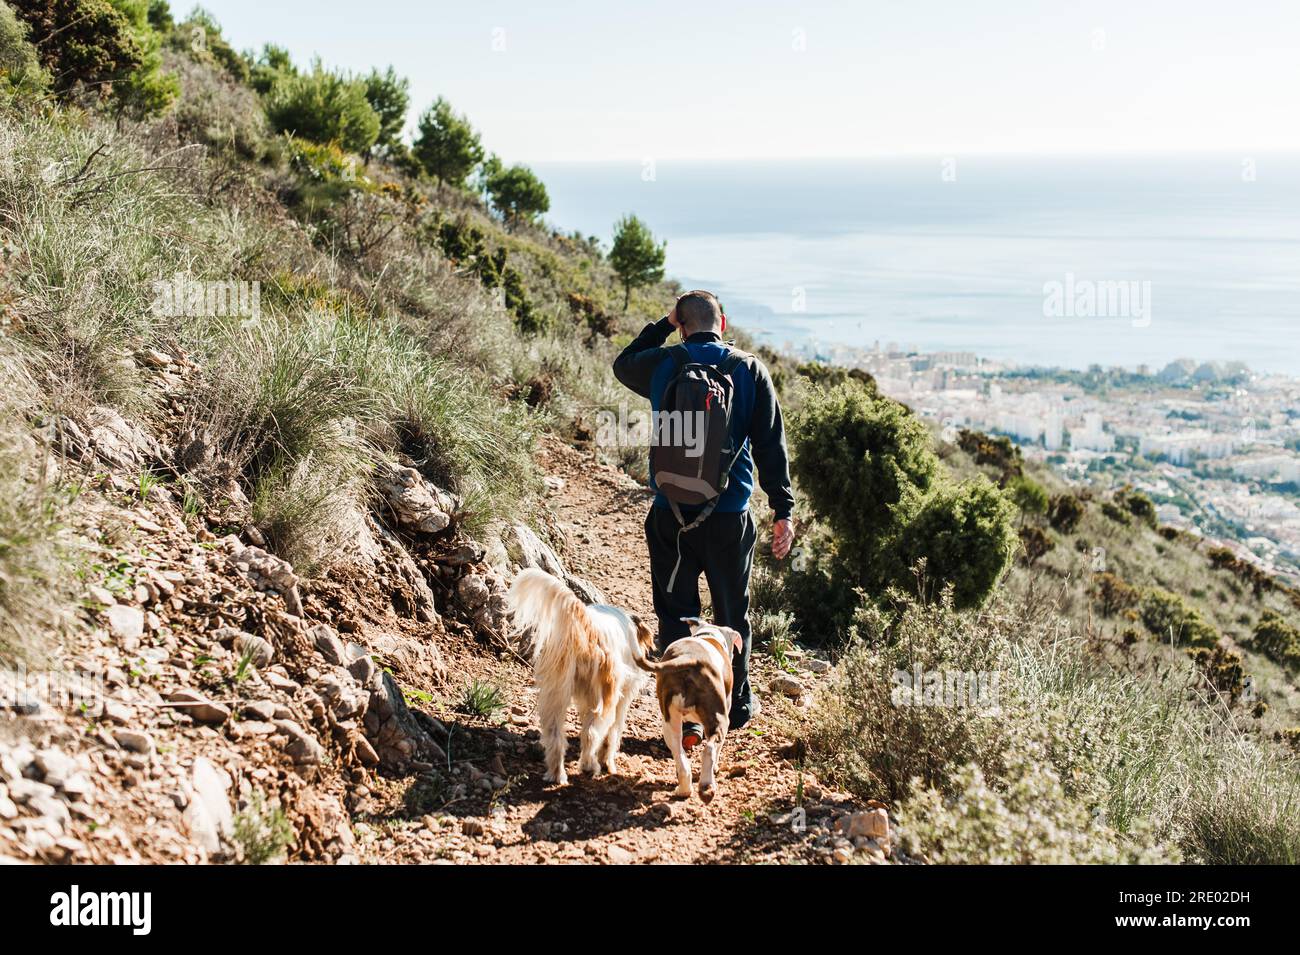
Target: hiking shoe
692,733
741,715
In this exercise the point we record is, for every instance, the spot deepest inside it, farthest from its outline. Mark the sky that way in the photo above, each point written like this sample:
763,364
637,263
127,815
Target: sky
598,80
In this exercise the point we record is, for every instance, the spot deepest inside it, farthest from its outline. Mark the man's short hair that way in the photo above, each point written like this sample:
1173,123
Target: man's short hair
699,311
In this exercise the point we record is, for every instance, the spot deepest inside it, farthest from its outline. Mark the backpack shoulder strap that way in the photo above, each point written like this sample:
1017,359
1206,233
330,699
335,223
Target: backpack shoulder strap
735,358
682,355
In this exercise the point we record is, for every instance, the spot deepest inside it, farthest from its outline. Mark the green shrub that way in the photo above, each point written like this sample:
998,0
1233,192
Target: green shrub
1222,669
868,732
1140,506
995,452
1034,544
964,534
1027,820
1113,594
389,95
20,67
1115,513
1151,762
271,66
1029,496
517,194
865,464
1277,639
446,145
324,106
635,255
100,48
305,405
1169,617
1064,513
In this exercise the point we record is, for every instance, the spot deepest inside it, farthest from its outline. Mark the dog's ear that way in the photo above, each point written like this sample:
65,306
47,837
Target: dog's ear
737,641
644,635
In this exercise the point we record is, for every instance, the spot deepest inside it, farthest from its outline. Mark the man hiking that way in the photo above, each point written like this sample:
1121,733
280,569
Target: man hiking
715,416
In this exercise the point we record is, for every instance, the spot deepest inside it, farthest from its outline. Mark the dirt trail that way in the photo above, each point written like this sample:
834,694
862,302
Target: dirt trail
628,817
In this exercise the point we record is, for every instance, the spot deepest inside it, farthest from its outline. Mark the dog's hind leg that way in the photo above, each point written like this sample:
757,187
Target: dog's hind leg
589,736
614,737
552,708
708,765
673,737
601,728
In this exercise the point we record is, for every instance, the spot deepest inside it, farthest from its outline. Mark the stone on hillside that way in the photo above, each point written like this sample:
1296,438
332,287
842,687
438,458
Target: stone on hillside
419,660
363,669
106,435
301,746
24,790
124,622
408,589
617,855
100,595
417,504
393,729
469,552
365,752
585,591
268,572
818,666
199,707
208,814
327,641
788,686
472,591
55,766
528,550
134,741
259,651
342,695
870,824
263,710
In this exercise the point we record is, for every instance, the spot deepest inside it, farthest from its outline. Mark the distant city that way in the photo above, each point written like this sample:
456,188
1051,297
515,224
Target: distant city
1216,446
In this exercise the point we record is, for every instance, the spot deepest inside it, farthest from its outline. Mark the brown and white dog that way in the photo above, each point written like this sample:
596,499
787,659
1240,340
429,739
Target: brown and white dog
693,683
585,653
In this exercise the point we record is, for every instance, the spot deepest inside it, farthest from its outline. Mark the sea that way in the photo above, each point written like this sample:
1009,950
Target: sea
1052,261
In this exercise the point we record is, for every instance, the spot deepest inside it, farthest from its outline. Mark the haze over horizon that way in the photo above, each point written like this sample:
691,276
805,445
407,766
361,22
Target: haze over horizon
761,81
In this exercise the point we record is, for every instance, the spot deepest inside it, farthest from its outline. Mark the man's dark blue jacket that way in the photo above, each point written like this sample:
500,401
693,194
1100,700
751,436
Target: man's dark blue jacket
647,365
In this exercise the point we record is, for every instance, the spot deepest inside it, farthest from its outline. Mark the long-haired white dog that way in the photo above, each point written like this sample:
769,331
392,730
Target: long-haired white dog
587,654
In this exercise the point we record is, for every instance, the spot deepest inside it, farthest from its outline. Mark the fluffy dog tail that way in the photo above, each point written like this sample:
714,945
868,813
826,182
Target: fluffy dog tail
566,644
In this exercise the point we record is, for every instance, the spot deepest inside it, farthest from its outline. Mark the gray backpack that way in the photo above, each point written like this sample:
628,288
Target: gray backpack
691,451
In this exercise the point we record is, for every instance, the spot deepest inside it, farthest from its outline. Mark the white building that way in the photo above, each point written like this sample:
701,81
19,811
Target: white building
1185,446
1092,436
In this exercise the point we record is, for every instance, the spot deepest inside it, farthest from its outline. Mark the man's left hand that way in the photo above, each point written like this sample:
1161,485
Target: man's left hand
782,537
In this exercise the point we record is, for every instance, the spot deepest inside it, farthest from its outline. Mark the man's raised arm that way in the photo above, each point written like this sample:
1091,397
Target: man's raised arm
636,364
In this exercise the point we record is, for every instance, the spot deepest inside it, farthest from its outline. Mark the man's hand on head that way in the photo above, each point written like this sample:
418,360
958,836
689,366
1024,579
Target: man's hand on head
782,537
673,320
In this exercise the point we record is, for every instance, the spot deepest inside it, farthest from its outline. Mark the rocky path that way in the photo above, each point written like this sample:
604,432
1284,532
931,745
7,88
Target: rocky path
212,706
514,817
